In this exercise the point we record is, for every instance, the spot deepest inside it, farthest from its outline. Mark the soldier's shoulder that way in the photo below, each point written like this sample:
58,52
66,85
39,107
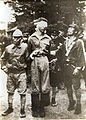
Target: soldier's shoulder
31,38
10,46
33,35
80,41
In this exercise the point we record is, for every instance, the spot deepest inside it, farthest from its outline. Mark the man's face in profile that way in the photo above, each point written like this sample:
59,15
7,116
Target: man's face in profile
42,25
70,31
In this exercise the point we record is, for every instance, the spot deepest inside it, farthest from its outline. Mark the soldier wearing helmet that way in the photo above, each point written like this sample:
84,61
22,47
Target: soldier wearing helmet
17,35
15,57
74,63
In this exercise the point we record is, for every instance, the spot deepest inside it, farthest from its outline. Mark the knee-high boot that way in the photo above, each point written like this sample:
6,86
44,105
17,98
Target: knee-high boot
71,100
35,104
78,97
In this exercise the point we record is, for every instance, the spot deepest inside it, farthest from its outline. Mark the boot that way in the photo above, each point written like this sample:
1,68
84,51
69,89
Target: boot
10,107
71,105
78,105
53,102
77,109
41,112
7,112
22,113
35,104
34,112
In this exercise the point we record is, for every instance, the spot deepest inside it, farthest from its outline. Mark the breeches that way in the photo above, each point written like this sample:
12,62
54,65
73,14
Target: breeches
75,81
16,81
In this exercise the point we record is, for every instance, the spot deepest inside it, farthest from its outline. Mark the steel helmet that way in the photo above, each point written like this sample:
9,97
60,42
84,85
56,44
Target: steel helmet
17,33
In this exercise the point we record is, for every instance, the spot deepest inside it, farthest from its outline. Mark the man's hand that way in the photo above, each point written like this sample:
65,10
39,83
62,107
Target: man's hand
53,52
76,71
4,68
31,56
35,52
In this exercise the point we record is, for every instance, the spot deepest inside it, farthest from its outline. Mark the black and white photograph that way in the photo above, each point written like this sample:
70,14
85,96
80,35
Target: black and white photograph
42,59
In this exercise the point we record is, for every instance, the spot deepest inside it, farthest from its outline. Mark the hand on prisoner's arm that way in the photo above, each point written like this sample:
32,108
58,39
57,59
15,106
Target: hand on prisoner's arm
76,70
6,67
31,56
53,52
35,52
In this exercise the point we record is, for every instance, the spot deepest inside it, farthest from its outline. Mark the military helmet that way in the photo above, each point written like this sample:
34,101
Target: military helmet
17,33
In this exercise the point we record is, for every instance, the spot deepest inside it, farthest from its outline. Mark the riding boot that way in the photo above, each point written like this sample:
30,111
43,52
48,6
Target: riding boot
71,105
71,100
41,109
35,104
78,105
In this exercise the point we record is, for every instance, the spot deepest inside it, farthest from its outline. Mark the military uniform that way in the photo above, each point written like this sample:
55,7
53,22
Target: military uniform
4,42
16,65
39,69
75,59
15,58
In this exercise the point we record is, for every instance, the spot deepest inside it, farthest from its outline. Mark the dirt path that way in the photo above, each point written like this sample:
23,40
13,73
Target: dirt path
58,112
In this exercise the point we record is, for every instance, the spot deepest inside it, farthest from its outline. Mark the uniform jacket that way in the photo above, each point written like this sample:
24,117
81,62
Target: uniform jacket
16,57
43,44
40,63
76,55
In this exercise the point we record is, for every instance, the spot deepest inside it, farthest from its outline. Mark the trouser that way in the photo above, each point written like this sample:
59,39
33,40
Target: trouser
84,75
40,74
77,90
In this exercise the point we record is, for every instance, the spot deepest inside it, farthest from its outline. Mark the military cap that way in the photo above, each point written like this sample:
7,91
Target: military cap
74,26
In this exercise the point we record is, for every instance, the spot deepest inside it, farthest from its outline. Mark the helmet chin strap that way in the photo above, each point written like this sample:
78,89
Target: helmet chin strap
18,41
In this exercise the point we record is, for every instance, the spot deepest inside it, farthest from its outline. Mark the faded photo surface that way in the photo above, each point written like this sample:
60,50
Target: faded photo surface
42,59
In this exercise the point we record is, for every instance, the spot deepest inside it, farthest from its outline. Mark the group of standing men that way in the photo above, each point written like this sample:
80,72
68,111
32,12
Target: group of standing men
44,63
